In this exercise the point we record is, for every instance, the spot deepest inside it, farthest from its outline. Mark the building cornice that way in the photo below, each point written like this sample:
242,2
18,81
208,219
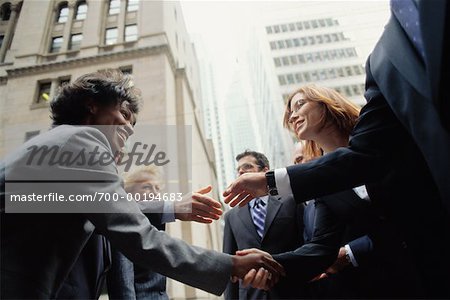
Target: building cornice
99,58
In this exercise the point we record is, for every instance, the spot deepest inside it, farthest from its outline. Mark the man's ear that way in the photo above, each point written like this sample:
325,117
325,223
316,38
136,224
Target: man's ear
92,107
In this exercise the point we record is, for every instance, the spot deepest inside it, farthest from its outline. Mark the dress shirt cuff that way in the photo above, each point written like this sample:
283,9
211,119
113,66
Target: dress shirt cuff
283,182
168,212
350,254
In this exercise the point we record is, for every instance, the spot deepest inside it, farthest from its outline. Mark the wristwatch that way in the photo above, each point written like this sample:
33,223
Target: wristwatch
271,183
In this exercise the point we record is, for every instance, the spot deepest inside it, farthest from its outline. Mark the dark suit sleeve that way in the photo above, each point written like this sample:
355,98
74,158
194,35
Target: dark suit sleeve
362,249
230,247
365,160
314,257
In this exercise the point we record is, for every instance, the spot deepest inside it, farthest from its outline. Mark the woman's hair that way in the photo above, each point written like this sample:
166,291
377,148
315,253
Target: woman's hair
108,87
135,176
338,111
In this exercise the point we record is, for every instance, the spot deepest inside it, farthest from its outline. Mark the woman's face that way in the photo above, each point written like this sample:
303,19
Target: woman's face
306,117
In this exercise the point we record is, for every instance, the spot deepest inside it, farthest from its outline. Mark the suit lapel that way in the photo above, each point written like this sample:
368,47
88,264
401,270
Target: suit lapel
273,206
397,48
246,218
432,19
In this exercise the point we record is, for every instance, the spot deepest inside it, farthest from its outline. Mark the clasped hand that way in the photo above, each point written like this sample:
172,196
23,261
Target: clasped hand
256,268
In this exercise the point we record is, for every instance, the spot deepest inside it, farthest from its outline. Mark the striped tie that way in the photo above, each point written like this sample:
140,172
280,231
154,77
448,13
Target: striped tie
259,216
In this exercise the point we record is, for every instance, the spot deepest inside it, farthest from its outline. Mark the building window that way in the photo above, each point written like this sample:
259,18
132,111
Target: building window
285,61
299,25
63,13
306,25
43,92
269,29
280,44
56,44
350,52
284,28
291,27
64,81
273,45
126,70
281,80
288,43
301,58
276,28
81,11
75,41
277,62
293,59
5,11
358,70
31,134
290,78
111,36
133,5
131,33
2,37
114,7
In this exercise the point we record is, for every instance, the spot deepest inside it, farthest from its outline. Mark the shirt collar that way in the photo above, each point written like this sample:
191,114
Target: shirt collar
264,199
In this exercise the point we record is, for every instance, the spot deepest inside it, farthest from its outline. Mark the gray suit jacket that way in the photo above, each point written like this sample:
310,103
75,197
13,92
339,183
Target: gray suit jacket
283,232
39,250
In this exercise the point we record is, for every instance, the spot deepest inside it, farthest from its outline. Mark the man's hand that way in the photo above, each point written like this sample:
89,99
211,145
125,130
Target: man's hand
245,188
340,264
247,262
198,207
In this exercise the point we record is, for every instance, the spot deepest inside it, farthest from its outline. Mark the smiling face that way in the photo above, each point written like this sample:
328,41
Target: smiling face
306,117
117,123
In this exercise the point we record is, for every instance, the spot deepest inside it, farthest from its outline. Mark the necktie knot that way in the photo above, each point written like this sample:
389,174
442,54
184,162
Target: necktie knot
259,203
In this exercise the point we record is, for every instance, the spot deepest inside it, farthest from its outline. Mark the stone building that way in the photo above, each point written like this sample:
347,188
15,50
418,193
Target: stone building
47,43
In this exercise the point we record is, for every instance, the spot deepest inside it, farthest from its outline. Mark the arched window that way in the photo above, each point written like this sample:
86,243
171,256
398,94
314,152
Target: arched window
63,13
5,11
81,10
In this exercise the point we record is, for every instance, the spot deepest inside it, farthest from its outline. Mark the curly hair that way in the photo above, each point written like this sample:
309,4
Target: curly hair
338,111
105,88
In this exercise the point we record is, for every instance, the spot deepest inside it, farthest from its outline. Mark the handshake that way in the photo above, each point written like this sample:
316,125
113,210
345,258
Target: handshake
256,268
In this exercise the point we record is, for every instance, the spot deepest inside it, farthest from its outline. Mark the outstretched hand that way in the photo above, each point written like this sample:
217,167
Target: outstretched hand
198,207
245,188
257,268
